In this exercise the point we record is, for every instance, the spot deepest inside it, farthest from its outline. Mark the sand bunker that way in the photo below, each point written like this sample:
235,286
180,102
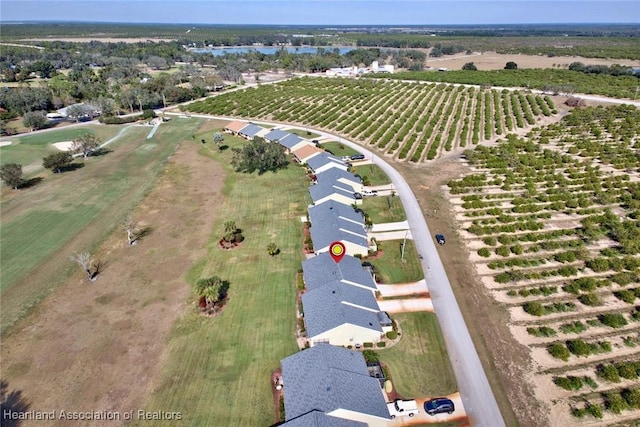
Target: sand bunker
4,143
63,145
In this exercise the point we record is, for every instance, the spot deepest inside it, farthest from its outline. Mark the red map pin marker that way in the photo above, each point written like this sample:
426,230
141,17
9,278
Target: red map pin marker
337,251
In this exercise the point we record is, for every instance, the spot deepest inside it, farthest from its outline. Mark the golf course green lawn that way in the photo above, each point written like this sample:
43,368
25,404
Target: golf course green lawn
390,268
28,149
74,211
218,369
419,364
381,209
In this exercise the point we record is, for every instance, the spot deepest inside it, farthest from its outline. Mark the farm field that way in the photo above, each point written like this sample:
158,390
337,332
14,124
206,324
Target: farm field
551,223
406,121
115,328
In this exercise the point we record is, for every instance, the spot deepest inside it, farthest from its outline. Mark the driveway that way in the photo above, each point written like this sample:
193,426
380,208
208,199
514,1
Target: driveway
411,305
390,235
402,289
423,418
390,226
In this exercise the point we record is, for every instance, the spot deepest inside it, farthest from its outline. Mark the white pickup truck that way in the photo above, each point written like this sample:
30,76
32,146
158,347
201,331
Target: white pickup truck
402,408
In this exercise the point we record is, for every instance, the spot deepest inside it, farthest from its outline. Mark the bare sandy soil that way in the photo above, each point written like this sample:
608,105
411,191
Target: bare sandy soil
99,346
495,61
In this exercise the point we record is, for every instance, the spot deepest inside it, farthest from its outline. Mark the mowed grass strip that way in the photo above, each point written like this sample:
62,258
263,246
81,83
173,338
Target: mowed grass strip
381,209
32,148
73,212
419,363
338,149
218,369
390,267
373,173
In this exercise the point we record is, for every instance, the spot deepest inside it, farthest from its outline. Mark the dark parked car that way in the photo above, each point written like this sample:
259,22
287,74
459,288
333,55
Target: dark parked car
440,239
439,405
357,157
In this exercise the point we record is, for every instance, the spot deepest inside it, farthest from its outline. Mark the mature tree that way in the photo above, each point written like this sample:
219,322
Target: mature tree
57,161
157,63
470,66
77,111
85,262
85,144
106,106
511,66
259,155
11,174
34,120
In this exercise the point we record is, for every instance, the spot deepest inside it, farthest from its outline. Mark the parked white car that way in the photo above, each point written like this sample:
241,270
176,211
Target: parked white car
403,408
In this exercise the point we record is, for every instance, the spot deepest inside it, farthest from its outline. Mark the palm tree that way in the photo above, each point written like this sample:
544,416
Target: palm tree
212,294
273,249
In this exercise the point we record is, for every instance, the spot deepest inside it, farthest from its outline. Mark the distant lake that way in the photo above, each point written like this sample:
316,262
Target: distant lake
269,50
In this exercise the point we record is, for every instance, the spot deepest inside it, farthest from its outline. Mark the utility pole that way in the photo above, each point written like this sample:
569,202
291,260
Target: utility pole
404,244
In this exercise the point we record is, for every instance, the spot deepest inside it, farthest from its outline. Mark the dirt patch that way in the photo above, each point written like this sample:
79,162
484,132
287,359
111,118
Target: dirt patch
100,346
497,61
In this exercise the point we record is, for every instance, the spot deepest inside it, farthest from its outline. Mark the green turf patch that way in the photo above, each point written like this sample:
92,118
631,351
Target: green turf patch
381,209
419,364
338,149
373,173
390,267
30,149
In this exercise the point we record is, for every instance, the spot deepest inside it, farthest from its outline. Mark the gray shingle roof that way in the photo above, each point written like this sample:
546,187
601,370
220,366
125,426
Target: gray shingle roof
333,305
322,269
290,141
326,378
320,419
327,230
322,159
335,174
335,210
276,135
251,130
324,189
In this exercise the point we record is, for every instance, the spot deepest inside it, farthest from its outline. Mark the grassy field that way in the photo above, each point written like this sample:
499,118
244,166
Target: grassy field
419,363
29,149
383,209
373,172
73,211
391,269
218,369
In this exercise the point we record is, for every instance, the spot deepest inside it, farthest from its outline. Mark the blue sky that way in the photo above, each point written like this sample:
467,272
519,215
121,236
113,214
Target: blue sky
325,12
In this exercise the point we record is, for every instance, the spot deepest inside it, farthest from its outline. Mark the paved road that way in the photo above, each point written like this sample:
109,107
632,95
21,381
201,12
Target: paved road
477,396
